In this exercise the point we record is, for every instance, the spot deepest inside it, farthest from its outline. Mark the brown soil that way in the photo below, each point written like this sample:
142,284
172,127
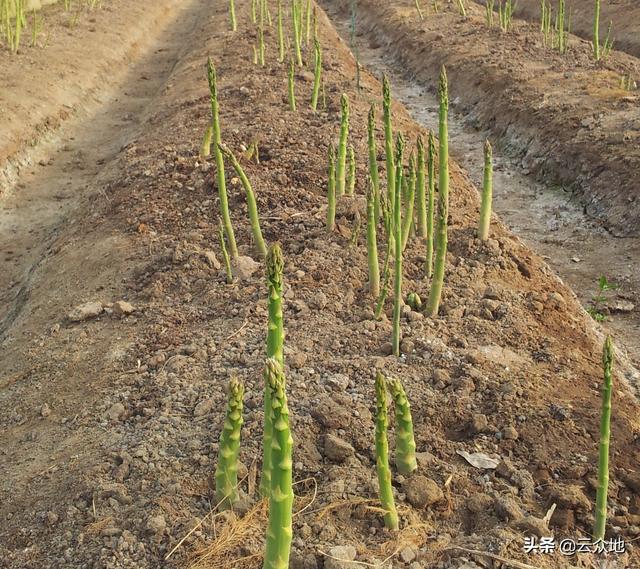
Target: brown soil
564,115
114,470
624,16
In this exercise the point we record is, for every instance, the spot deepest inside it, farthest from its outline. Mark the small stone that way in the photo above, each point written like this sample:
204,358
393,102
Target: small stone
479,423
507,508
203,408
386,349
510,433
422,492
339,382
296,359
407,554
212,260
479,503
45,410
243,268
337,449
86,311
156,524
52,518
530,525
341,557
407,346
116,412
318,300
122,308
570,497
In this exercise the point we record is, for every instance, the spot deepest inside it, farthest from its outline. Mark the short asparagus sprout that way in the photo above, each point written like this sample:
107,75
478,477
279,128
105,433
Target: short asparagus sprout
463,11
281,48
331,190
435,294
596,31
279,528
397,229
414,301
605,436
292,87
405,443
341,168
373,159
388,140
275,350
252,205
372,244
226,476
205,148
487,193
382,455
351,173
317,76
217,139
225,256
431,191
410,185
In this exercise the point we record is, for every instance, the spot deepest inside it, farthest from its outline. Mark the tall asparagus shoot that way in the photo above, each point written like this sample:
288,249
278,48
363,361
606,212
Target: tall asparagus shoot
431,191
252,206
254,10
261,48
372,243
295,16
605,436
225,256
217,139
226,475
281,49
397,229
596,32
275,350
405,442
388,140
351,172
410,184
232,16
382,455
341,168
331,190
279,528
419,10
435,294
373,159
317,76
292,87
421,193
308,18
487,193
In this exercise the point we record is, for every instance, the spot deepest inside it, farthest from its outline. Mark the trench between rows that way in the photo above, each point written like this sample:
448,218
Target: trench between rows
550,219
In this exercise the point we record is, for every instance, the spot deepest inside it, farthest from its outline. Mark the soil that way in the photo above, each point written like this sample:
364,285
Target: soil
622,14
110,425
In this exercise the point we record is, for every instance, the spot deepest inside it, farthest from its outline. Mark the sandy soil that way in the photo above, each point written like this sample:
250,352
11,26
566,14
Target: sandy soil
109,426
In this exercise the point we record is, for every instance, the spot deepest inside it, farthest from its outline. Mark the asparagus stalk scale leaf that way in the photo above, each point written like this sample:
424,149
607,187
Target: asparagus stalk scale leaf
275,350
382,455
279,528
405,443
226,475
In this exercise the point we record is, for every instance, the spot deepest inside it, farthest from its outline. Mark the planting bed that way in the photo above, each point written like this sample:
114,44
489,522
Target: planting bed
109,426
